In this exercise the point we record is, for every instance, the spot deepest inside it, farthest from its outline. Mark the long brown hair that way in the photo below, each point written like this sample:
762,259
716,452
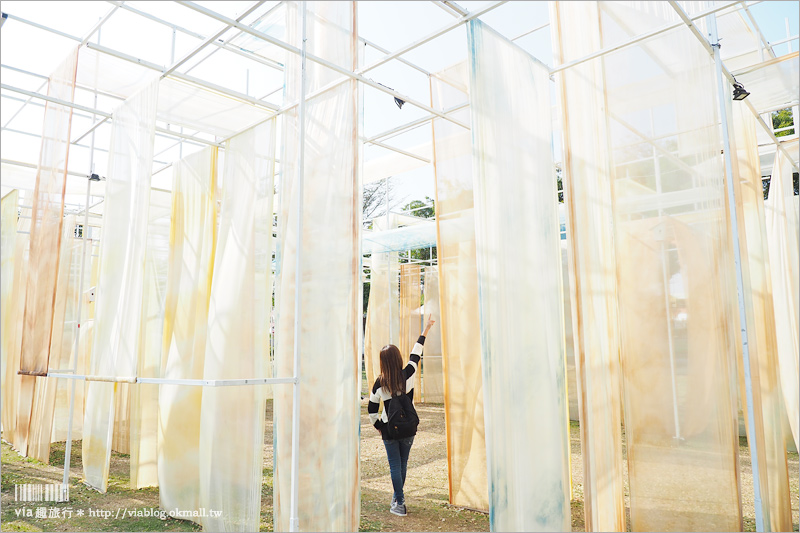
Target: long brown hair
392,378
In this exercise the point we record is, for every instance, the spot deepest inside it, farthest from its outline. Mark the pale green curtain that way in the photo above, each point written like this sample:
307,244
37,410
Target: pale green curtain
521,328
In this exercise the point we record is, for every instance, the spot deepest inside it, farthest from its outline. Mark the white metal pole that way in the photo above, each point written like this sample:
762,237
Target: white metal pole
389,265
84,236
665,281
294,520
737,258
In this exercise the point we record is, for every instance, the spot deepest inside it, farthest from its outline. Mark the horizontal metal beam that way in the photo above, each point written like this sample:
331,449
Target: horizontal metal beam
401,59
98,112
184,77
639,38
160,68
400,151
99,24
416,44
763,39
534,30
316,59
411,125
223,46
208,40
783,41
166,381
33,166
766,128
681,13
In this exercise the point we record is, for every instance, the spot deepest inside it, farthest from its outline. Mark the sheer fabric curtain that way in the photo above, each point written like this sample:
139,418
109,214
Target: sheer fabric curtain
760,312
44,247
121,282
193,230
781,208
591,260
521,328
675,275
9,210
237,339
329,333
432,386
458,288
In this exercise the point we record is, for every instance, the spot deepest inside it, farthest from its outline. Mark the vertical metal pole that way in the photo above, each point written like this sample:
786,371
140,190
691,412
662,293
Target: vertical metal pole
737,258
665,281
84,235
294,520
389,266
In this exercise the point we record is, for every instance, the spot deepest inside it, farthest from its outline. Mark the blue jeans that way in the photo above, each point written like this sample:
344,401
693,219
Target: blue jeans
397,452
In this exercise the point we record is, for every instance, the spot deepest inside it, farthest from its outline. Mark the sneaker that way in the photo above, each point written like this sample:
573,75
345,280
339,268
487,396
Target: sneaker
398,508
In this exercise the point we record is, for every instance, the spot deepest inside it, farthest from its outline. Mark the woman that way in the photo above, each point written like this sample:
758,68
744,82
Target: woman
395,380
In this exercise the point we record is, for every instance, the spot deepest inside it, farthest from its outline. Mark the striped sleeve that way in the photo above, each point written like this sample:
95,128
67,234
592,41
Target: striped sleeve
374,404
414,358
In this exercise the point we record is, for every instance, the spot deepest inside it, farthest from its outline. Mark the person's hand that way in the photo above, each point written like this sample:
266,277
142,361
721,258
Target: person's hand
430,324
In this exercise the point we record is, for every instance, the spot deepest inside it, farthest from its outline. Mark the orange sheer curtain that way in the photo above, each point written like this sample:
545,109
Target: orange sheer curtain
458,288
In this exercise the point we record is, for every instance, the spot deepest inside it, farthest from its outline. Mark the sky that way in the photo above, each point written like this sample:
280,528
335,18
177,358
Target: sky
388,24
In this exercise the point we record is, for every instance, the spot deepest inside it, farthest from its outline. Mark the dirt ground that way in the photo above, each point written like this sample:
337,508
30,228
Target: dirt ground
426,488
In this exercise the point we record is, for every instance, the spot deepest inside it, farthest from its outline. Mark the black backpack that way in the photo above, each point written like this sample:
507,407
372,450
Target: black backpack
403,419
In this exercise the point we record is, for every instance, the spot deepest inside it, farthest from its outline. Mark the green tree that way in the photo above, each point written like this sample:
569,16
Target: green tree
782,119
426,209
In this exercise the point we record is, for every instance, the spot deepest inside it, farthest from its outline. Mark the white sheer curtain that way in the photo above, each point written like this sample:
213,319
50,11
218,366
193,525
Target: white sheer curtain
122,267
330,302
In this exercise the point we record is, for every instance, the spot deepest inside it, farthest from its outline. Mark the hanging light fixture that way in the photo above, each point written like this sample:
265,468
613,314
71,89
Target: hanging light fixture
739,93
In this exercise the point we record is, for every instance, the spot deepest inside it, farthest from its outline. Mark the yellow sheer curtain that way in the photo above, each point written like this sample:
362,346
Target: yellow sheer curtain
330,302
458,288
762,340
237,337
521,328
193,237
383,319
144,397
12,342
9,209
781,208
592,271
